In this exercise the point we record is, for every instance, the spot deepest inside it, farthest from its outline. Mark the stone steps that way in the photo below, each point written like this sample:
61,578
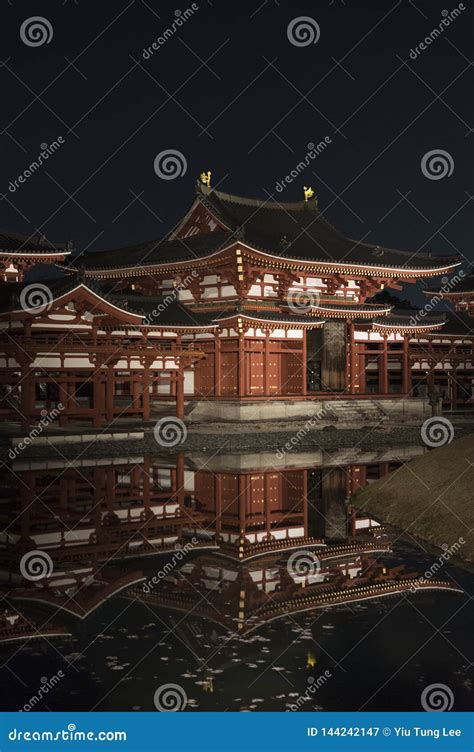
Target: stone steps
353,411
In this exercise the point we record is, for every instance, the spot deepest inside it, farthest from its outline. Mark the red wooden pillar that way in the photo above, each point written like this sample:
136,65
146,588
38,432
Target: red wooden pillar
27,496
217,365
454,389
304,365
110,393
97,396
218,504
27,394
353,360
406,369
305,504
266,502
383,363
241,368
180,392
266,364
110,488
64,398
146,391
180,479
242,481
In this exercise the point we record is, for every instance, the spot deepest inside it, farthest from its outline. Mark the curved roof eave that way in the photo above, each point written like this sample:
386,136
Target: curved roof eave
376,269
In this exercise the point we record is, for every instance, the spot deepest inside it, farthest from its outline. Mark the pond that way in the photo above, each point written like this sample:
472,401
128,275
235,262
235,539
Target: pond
239,582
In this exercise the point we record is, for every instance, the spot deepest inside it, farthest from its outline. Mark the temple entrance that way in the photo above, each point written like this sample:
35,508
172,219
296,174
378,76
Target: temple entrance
326,358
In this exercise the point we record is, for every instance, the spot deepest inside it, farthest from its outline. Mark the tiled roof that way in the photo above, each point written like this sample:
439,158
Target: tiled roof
34,244
300,231
459,323
154,252
288,230
466,284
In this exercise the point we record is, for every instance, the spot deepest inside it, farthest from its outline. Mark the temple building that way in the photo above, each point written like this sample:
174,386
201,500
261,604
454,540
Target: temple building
18,253
248,309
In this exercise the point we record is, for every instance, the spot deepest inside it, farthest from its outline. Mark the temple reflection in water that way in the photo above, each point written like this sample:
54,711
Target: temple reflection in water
236,540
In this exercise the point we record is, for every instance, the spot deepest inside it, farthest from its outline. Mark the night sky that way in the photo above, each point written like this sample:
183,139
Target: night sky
231,93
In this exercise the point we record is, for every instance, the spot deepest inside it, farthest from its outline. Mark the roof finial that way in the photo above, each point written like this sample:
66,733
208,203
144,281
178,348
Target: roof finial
308,193
205,178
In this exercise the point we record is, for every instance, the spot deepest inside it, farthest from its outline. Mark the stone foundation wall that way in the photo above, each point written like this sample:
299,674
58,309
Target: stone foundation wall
370,410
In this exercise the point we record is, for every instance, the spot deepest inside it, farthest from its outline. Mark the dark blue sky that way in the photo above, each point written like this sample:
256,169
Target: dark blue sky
247,114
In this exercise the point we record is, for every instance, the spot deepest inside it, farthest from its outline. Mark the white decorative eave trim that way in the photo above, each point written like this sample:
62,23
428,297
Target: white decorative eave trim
408,327
329,266
272,322
353,311
31,254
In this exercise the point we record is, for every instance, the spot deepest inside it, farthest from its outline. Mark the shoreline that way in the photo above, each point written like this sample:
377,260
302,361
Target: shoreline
225,439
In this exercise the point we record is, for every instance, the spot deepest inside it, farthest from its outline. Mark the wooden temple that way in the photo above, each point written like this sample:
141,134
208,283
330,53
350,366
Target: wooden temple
247,309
